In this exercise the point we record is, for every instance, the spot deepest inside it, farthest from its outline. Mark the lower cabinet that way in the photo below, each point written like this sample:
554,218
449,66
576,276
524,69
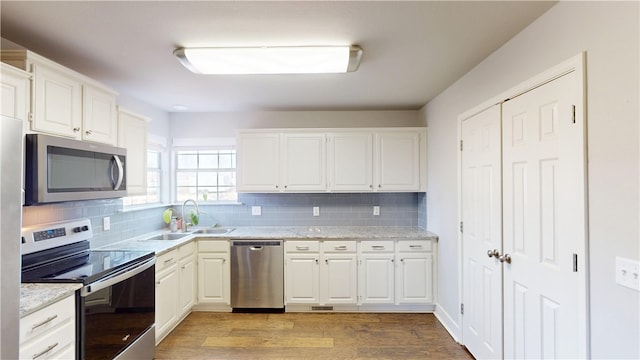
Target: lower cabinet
175,288
321,272
377,273
414,275
50,333
214,288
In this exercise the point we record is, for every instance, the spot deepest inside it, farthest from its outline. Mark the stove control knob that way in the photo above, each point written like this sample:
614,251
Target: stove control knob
85,228
80,229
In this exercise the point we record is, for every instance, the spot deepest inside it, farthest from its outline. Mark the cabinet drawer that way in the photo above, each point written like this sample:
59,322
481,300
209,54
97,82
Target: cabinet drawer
414,245
51,345
213,246
372,246
167,259
302,246
338,246
187,249
47,319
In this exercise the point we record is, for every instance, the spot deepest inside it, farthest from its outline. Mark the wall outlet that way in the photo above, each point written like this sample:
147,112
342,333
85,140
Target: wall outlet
106,223
628,273
256,210
316,211
376,210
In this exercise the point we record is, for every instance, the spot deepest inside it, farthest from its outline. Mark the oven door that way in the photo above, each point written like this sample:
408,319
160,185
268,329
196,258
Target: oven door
117,312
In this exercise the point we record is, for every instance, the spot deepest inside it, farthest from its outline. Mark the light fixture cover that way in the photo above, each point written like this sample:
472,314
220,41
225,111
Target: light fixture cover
271,60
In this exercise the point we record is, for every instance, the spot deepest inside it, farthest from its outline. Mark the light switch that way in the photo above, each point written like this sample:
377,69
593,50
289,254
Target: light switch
256,210
106,223
376,210
316,211
628,273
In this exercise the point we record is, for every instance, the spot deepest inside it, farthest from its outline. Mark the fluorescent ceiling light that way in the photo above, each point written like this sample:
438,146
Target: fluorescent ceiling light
271,60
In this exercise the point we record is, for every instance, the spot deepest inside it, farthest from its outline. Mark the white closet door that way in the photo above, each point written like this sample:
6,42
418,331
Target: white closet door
482,219
544,223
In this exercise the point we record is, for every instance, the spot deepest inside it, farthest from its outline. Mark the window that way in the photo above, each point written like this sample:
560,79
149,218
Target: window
153,182
206,175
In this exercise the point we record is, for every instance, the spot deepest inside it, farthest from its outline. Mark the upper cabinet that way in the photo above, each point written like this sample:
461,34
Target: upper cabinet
14,92
66,103
332,160
132,135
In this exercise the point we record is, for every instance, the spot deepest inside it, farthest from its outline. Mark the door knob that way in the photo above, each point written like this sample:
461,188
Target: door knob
492,253
505,258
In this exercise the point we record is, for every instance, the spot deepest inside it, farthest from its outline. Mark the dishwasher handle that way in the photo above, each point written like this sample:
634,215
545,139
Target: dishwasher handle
256,247
256,243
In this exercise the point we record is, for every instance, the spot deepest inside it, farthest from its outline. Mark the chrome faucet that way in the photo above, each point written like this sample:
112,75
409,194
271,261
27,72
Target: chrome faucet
185,224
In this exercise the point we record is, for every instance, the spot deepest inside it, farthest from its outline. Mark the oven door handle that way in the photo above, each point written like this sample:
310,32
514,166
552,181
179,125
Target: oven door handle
121,275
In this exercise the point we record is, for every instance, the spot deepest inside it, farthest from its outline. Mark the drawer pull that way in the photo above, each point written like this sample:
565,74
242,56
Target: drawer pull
48,320
415,246
341,247
378,247
168,260
43,352
302,248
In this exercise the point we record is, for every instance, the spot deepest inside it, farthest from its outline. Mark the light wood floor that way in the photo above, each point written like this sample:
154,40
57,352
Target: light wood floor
206,335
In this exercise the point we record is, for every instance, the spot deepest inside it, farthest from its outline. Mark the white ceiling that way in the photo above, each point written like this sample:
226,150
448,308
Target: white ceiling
412,50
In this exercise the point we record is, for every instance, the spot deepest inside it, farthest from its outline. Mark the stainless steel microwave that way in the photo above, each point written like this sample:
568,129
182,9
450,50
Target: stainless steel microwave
59,169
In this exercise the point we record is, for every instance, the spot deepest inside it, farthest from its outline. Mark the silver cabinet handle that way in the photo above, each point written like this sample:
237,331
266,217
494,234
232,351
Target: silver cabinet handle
326,261
341,247
49,348
505,258
46,321
302,248
316,261
76,129
415,246
168,260
378,247
88,132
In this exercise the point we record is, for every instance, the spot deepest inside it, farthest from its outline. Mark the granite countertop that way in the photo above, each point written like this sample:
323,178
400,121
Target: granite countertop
277,232
34,297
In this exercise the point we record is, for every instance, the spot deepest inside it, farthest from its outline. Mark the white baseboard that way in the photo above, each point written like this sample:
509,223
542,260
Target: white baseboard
449,323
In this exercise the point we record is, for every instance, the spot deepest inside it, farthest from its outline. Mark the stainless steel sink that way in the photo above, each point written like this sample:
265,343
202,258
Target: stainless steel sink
215,231
167,236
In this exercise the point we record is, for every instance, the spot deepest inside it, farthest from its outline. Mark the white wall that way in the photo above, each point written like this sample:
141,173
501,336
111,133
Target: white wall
609,33
225,124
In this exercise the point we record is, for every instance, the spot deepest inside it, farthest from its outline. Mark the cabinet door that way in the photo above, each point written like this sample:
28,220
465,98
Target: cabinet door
57,102
14,93
339,279
258,162
302,279
350,163
167,283
213,278
377,278
303,163
414,280
99,117
397,161
132,135
187,269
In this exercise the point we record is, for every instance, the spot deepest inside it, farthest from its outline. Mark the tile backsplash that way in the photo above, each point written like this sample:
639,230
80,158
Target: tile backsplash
396,209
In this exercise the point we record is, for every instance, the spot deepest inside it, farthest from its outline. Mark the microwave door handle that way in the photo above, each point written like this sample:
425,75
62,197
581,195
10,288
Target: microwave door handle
118,163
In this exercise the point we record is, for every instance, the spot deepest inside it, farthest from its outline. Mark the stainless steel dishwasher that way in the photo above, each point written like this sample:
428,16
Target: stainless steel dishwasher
257,274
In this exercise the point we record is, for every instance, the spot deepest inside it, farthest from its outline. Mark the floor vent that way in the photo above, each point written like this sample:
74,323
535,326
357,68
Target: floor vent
322,308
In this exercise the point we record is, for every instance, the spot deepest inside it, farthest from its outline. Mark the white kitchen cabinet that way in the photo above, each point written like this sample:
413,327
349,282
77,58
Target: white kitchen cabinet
377,272
99,115
66,103
214,277
132,135
338,272
258,162
302,277
187,278
397,161
167,289
49,333
350,161
414,278
303,162
14,86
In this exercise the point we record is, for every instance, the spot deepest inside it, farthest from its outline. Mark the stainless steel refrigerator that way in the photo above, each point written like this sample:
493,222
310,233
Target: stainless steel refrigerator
11,159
